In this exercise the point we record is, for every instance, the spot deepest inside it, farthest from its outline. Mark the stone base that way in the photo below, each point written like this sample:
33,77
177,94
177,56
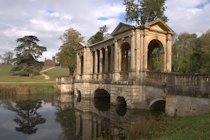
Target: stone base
185,106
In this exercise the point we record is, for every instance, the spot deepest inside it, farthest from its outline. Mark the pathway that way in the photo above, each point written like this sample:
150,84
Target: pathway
46,77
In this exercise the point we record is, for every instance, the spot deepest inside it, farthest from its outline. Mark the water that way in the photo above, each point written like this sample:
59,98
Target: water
32,118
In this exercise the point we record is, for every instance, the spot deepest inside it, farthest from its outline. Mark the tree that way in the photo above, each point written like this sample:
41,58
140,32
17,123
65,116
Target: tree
205,48
67,55
99,36
27,53
184,48
7,58
144,11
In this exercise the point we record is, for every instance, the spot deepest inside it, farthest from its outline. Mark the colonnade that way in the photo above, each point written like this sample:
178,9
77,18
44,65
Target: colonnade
125,56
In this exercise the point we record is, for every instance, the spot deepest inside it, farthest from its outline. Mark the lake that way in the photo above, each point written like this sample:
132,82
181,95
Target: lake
64,117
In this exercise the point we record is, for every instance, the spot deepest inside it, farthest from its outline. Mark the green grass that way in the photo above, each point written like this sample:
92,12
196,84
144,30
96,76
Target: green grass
172,128
56,72
19,84
5,76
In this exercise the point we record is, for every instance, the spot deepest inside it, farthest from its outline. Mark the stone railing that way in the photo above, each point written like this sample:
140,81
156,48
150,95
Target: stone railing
180,84
64,84
64,80
156,79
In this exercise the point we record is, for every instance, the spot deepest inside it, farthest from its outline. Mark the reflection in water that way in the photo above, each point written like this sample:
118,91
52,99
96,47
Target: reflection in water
66,118
121,109
27,116
72,120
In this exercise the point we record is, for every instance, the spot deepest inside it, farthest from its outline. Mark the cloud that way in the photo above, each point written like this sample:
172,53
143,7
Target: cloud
50,18
185,16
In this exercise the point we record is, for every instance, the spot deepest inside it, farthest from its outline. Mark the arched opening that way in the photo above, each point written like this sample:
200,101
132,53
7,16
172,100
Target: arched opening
109,59
125,59
121,107
79,96
155,56
157,105
102,100
103,62
82,66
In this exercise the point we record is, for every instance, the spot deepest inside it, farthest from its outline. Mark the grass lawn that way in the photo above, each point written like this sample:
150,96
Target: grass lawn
38,84
56,72
5,75
172,128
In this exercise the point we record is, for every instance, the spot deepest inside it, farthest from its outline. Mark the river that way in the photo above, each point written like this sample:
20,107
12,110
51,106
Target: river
41,117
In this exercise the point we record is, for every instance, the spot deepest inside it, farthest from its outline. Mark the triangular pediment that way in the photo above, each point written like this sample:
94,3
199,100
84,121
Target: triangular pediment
159,25
122,27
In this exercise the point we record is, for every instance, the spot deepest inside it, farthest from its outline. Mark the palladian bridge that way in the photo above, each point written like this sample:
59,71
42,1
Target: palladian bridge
121,69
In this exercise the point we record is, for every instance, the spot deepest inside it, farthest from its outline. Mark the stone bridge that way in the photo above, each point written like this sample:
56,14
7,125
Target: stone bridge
134,67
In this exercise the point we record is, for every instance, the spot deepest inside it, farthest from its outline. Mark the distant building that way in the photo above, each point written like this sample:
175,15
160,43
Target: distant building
49,62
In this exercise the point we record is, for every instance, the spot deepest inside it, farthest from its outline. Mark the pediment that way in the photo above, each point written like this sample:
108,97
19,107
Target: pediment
159,25
122,27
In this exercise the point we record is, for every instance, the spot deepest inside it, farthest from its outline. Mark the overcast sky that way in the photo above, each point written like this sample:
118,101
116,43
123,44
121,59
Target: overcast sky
48,19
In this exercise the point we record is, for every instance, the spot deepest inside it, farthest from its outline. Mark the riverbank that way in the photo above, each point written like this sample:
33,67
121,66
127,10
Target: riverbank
172,128
28,88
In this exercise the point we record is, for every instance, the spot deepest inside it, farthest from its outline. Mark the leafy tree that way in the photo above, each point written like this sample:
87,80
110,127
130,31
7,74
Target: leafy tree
205,48
99,36
144,11
183,50
156,60
7,58
27,53
67,55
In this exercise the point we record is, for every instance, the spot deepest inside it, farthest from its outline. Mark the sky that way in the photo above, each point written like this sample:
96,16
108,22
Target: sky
48,19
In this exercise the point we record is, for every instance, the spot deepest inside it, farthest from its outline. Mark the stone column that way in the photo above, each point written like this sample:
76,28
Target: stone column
111,62
100,65
145,46
78,68
116,74
91,64
165,57
106,62
86,64
96,65
119,51
137,52
169,53
133,55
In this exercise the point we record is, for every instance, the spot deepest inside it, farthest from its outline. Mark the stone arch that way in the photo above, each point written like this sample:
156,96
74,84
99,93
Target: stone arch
155,56
120,100
157,104
79,96
102,99
121,107
125,59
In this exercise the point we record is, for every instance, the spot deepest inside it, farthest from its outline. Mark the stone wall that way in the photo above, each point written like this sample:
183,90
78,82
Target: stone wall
183,105
64,84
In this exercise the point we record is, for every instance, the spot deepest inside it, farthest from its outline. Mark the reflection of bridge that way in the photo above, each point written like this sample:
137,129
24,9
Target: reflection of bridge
123,67
92,123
